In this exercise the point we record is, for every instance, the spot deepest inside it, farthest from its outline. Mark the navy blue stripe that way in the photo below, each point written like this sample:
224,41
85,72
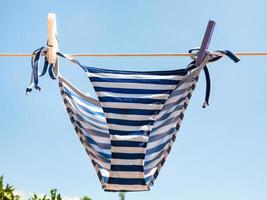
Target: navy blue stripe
131,168
131,91
130,111
169,72
128,80
130,122
126,181
116,132
127,144
131,100
128,155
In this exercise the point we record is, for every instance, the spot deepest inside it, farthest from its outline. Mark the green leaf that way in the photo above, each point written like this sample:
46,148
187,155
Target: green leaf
122,195
86,198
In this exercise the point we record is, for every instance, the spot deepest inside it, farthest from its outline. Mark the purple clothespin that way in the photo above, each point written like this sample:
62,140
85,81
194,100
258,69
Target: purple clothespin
205,42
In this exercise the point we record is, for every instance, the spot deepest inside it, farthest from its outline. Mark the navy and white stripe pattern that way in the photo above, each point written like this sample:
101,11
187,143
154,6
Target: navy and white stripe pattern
90,124
129,132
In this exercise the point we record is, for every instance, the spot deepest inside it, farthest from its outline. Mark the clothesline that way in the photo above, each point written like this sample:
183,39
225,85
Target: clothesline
129,54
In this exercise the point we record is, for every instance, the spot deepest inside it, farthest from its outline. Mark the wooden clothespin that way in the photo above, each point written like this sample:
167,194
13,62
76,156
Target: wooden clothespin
205,42
52,42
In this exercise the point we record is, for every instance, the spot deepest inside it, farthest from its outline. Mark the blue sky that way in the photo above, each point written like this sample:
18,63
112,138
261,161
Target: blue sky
220,152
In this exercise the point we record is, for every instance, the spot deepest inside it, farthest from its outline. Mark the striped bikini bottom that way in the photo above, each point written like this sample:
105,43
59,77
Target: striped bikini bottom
129,131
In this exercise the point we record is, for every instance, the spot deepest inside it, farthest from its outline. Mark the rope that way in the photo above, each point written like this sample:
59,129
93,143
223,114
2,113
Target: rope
129,54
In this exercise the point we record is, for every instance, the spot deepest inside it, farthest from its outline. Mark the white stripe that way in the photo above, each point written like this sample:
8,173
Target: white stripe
104,172
131,117
127,150
118,187
134,76
136,138
151,172
133,85
151,96
127,162
130,128
129,174
131,105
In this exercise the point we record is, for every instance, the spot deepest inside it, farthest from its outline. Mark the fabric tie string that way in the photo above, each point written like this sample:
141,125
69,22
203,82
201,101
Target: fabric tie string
214,56
53,69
